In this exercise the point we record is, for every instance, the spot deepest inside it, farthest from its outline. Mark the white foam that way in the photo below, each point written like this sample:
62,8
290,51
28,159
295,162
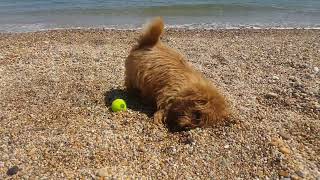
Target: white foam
21,28
244,26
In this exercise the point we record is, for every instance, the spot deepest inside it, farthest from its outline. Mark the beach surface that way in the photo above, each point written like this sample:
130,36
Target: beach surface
56,88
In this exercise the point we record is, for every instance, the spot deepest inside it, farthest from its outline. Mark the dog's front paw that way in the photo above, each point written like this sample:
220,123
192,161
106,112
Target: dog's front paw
158,117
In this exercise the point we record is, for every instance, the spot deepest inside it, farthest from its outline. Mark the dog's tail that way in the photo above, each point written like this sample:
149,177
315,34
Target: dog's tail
151,33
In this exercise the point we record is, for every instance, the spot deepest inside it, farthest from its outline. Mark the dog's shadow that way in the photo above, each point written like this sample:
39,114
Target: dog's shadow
132,100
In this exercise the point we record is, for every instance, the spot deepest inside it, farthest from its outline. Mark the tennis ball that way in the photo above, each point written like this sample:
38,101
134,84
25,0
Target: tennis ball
118,105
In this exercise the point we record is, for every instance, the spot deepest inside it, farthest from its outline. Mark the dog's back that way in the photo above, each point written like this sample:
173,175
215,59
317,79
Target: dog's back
152,67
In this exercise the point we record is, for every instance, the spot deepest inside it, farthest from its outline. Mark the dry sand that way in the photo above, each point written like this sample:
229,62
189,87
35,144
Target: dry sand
56,124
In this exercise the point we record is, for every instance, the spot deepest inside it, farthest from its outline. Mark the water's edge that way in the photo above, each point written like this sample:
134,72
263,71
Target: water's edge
38,28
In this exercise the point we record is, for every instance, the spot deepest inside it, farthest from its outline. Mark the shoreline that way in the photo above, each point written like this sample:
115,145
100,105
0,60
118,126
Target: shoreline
55,120
170,27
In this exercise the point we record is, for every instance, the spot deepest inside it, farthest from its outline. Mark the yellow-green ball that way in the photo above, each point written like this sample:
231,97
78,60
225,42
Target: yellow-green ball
118,105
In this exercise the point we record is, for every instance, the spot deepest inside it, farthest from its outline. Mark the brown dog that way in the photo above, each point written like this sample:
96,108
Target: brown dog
183,97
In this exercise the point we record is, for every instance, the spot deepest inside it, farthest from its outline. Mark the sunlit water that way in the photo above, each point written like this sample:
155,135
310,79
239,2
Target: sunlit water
33,15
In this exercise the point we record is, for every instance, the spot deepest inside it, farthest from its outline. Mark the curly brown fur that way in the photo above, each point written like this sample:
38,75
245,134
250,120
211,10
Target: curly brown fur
183,97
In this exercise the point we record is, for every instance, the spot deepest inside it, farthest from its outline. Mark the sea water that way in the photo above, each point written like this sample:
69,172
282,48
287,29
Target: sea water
34,15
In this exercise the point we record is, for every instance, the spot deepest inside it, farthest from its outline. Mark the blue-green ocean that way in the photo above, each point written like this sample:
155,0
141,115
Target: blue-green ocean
34,15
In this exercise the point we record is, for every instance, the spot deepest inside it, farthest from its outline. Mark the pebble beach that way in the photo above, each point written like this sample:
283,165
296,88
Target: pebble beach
55,119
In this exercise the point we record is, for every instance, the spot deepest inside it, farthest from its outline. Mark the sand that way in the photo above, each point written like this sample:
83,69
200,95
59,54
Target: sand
55,121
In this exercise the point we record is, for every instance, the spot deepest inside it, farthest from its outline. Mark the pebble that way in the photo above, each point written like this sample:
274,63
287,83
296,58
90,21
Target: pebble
260,173
284,173
284,150
316,70
141,149
299,173
293,79
276,142
1,164
275,78
271,95
226,146
303,94
224,162
171,150
284,135
190,141
294,177
13,170
285,178
103,172
309,76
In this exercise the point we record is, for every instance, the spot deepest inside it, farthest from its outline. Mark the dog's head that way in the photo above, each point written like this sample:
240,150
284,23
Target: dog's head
197,107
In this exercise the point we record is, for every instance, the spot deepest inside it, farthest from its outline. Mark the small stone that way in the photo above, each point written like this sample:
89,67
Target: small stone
275,78
226,146
103,172
1,164
276,142
190,140
260,173
309,76
284,173
32,152
271,95
293,79
141,149
174,150
284,150
295,177
284,135
299,173
171,150
316,70
303,94
224,162
13,170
